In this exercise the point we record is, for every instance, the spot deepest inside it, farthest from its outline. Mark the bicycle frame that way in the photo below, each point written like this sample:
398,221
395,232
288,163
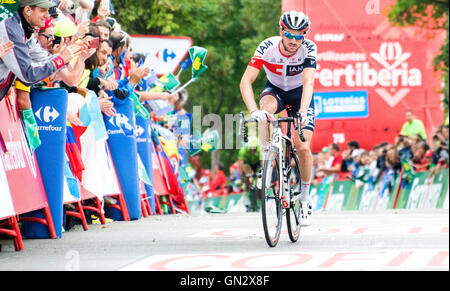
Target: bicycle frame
277,140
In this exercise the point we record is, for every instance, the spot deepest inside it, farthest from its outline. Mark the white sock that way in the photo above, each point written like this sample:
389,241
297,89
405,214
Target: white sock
304,188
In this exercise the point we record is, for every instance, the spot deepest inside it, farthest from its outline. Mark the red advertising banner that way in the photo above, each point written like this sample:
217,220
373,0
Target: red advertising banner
21,168
369,72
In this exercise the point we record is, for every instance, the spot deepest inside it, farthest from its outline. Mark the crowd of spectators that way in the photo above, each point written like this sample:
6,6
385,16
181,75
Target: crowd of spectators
80,46
411,151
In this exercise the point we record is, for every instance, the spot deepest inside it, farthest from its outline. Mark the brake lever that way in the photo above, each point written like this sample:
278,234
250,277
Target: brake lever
300,129
242,130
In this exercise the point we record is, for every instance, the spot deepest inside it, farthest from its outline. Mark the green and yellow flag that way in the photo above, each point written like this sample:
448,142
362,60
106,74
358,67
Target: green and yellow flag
169,82
210,140
198,55
7,8
139,108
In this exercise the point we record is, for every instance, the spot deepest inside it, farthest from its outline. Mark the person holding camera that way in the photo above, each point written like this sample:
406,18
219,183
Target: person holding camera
19,29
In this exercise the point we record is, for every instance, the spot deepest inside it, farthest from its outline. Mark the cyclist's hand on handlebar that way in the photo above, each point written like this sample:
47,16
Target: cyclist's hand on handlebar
303,116
260,115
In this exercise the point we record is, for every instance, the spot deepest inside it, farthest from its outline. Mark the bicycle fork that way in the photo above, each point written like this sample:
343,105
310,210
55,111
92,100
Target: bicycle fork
277,142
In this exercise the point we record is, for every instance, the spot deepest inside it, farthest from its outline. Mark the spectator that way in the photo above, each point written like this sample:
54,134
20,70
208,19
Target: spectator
100,29
46,35
440,153
404,148
96,79
442,135
335,167
353,145
249,160
218,181
321,160
19,29
72,73
419,161
393,159
413,126
361,167
119,46
65,31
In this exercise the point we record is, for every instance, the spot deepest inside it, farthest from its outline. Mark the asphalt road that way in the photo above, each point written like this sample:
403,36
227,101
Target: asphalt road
347,240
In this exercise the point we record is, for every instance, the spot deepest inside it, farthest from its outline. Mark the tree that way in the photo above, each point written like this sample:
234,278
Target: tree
229,29
430,14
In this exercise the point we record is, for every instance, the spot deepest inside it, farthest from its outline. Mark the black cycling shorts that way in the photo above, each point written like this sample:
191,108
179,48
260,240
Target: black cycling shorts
290,100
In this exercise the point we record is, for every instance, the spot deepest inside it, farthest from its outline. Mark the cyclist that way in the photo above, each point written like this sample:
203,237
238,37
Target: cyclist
249,162
289,62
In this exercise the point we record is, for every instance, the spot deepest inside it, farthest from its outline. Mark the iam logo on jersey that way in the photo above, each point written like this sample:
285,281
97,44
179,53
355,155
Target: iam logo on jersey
47,114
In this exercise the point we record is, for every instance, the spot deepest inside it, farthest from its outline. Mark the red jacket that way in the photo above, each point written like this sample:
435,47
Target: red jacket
217,181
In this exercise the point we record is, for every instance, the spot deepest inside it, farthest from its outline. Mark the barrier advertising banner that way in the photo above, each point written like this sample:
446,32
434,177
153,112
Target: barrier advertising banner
20,165
358,50
144,148
50,110
6,206
123,148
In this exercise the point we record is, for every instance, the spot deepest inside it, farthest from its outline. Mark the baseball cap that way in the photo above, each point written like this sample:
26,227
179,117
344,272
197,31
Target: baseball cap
49,22
64,27
38,3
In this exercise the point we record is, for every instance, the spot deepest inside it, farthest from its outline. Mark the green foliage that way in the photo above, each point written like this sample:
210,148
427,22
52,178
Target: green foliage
229,29
431,14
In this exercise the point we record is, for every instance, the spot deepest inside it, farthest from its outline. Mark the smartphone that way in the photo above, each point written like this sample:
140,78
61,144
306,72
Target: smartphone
57,40
94,43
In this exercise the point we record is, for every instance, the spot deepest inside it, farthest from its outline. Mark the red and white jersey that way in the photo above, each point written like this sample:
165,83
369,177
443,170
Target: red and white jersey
285,72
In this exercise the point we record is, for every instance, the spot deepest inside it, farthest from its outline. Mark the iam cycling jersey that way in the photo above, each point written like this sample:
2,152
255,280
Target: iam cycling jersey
284,72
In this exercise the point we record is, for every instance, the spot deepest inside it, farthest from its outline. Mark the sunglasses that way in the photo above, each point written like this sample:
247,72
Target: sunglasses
296,36
47,36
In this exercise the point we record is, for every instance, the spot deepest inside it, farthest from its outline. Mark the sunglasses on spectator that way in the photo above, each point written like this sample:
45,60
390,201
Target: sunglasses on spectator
47,36
296,36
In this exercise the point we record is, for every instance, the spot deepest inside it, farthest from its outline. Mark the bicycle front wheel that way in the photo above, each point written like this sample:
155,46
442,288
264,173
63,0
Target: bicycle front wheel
293,212
270,198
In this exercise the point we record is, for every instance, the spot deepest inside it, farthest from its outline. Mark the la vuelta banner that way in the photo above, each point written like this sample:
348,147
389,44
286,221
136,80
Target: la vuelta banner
20,165
369,72
6,206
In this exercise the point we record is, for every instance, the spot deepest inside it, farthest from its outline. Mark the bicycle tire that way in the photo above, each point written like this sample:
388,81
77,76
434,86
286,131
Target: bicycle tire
293,212
270,199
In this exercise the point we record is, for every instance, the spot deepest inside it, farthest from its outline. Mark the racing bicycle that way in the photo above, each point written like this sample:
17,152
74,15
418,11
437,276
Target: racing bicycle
280,191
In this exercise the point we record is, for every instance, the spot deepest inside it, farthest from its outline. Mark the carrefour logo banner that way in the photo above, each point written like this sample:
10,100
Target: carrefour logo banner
349,104
164,53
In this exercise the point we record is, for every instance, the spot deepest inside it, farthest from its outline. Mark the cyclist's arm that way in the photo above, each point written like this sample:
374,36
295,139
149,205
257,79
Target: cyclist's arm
249,77
308,88
309,72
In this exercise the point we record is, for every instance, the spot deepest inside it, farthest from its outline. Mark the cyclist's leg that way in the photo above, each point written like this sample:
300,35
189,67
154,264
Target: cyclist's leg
303,148
306,161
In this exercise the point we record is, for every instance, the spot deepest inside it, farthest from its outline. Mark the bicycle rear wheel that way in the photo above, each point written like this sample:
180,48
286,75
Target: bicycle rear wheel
293,212
270,198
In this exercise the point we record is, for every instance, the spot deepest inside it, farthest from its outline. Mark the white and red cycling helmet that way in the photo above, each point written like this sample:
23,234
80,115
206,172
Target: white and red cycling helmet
294,20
